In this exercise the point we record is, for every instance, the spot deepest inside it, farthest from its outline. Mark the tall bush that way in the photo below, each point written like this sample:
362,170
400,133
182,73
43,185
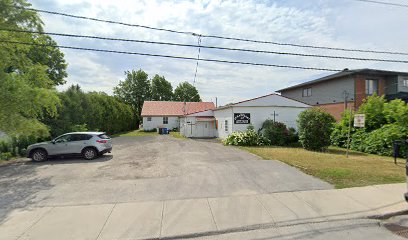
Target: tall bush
277,133
315,127
380,141
373,108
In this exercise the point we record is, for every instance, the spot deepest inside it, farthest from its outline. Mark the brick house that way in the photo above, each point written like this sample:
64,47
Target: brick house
349,88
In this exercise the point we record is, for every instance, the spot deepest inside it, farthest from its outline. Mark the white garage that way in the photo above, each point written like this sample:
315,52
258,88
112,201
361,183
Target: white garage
199,125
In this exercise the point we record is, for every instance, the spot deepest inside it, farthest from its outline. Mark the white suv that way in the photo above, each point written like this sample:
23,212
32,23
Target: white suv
88,144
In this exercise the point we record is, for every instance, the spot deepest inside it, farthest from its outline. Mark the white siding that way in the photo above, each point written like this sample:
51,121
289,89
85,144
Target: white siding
286,115
157,122
221,116
190,127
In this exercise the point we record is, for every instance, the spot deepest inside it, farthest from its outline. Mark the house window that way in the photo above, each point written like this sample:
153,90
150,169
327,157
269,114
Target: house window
405,82
149,119
226,125
307,92
165,120
371,87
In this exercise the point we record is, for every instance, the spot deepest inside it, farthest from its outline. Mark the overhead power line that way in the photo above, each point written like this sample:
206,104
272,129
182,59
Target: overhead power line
210,36
172,56
384,3
199,46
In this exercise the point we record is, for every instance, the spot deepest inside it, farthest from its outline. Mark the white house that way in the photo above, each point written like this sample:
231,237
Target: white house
166,114
222,121
238,116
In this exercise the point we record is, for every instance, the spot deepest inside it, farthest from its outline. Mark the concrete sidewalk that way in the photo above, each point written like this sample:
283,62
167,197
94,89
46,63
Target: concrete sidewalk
202,216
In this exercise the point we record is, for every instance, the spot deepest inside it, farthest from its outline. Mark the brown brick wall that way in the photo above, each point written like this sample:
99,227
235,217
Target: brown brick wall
360,88
335,109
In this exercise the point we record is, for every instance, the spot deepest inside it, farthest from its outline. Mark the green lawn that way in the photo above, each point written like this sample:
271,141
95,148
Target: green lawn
177,135
135,133
360,169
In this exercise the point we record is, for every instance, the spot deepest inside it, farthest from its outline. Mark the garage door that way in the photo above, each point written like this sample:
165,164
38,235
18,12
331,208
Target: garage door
204,129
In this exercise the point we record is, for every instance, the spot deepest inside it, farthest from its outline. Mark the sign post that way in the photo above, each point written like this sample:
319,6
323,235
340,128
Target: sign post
359,121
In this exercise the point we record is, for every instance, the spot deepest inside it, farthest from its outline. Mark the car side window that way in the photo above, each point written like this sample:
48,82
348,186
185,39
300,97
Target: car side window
76,137
85,137
64,138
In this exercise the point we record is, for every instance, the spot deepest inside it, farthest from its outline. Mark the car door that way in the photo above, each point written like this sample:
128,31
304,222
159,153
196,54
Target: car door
76,144
59,145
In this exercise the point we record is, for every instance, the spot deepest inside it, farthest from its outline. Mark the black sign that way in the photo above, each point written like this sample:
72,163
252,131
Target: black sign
242,118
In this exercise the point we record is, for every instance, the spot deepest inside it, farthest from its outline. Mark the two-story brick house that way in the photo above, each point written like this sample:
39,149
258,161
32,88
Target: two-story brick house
348,88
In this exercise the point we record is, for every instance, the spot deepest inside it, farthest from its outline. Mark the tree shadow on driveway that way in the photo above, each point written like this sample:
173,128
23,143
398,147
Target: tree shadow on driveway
21,185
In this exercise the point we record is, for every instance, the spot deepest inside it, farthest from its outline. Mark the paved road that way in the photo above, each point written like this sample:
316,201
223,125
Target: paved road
149,168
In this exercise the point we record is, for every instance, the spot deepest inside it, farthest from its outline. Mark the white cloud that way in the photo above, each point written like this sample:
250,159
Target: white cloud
324,23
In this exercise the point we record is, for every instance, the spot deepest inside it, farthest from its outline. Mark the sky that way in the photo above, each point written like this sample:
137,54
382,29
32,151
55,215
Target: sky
330,23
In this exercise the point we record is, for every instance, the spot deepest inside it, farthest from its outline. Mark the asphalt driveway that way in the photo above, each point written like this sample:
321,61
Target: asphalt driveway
148,168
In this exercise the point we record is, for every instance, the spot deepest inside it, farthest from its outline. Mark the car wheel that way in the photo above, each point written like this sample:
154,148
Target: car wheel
39,155
89,153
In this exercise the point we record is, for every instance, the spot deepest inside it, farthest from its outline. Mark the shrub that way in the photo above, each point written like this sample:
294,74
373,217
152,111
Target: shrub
380,141
315,127
396,111
357,140
339,134
278,134
373,107
5,156
247,138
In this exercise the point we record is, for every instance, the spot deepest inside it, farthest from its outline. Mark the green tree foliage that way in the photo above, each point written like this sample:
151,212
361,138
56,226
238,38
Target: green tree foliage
373,108
92,111
134,90
186,92
385,122
315,127
380,141
49,56
340,130
23,57
161,89
26,86
396,111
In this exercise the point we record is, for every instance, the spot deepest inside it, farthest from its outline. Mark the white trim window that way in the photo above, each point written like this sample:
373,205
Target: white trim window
307,92
405,82
226,125
149,119
165,120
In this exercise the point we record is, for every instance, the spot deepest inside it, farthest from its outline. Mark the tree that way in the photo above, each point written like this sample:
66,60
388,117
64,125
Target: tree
315,127
186,92
134,90
161,89
51,57
24,56
27,91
